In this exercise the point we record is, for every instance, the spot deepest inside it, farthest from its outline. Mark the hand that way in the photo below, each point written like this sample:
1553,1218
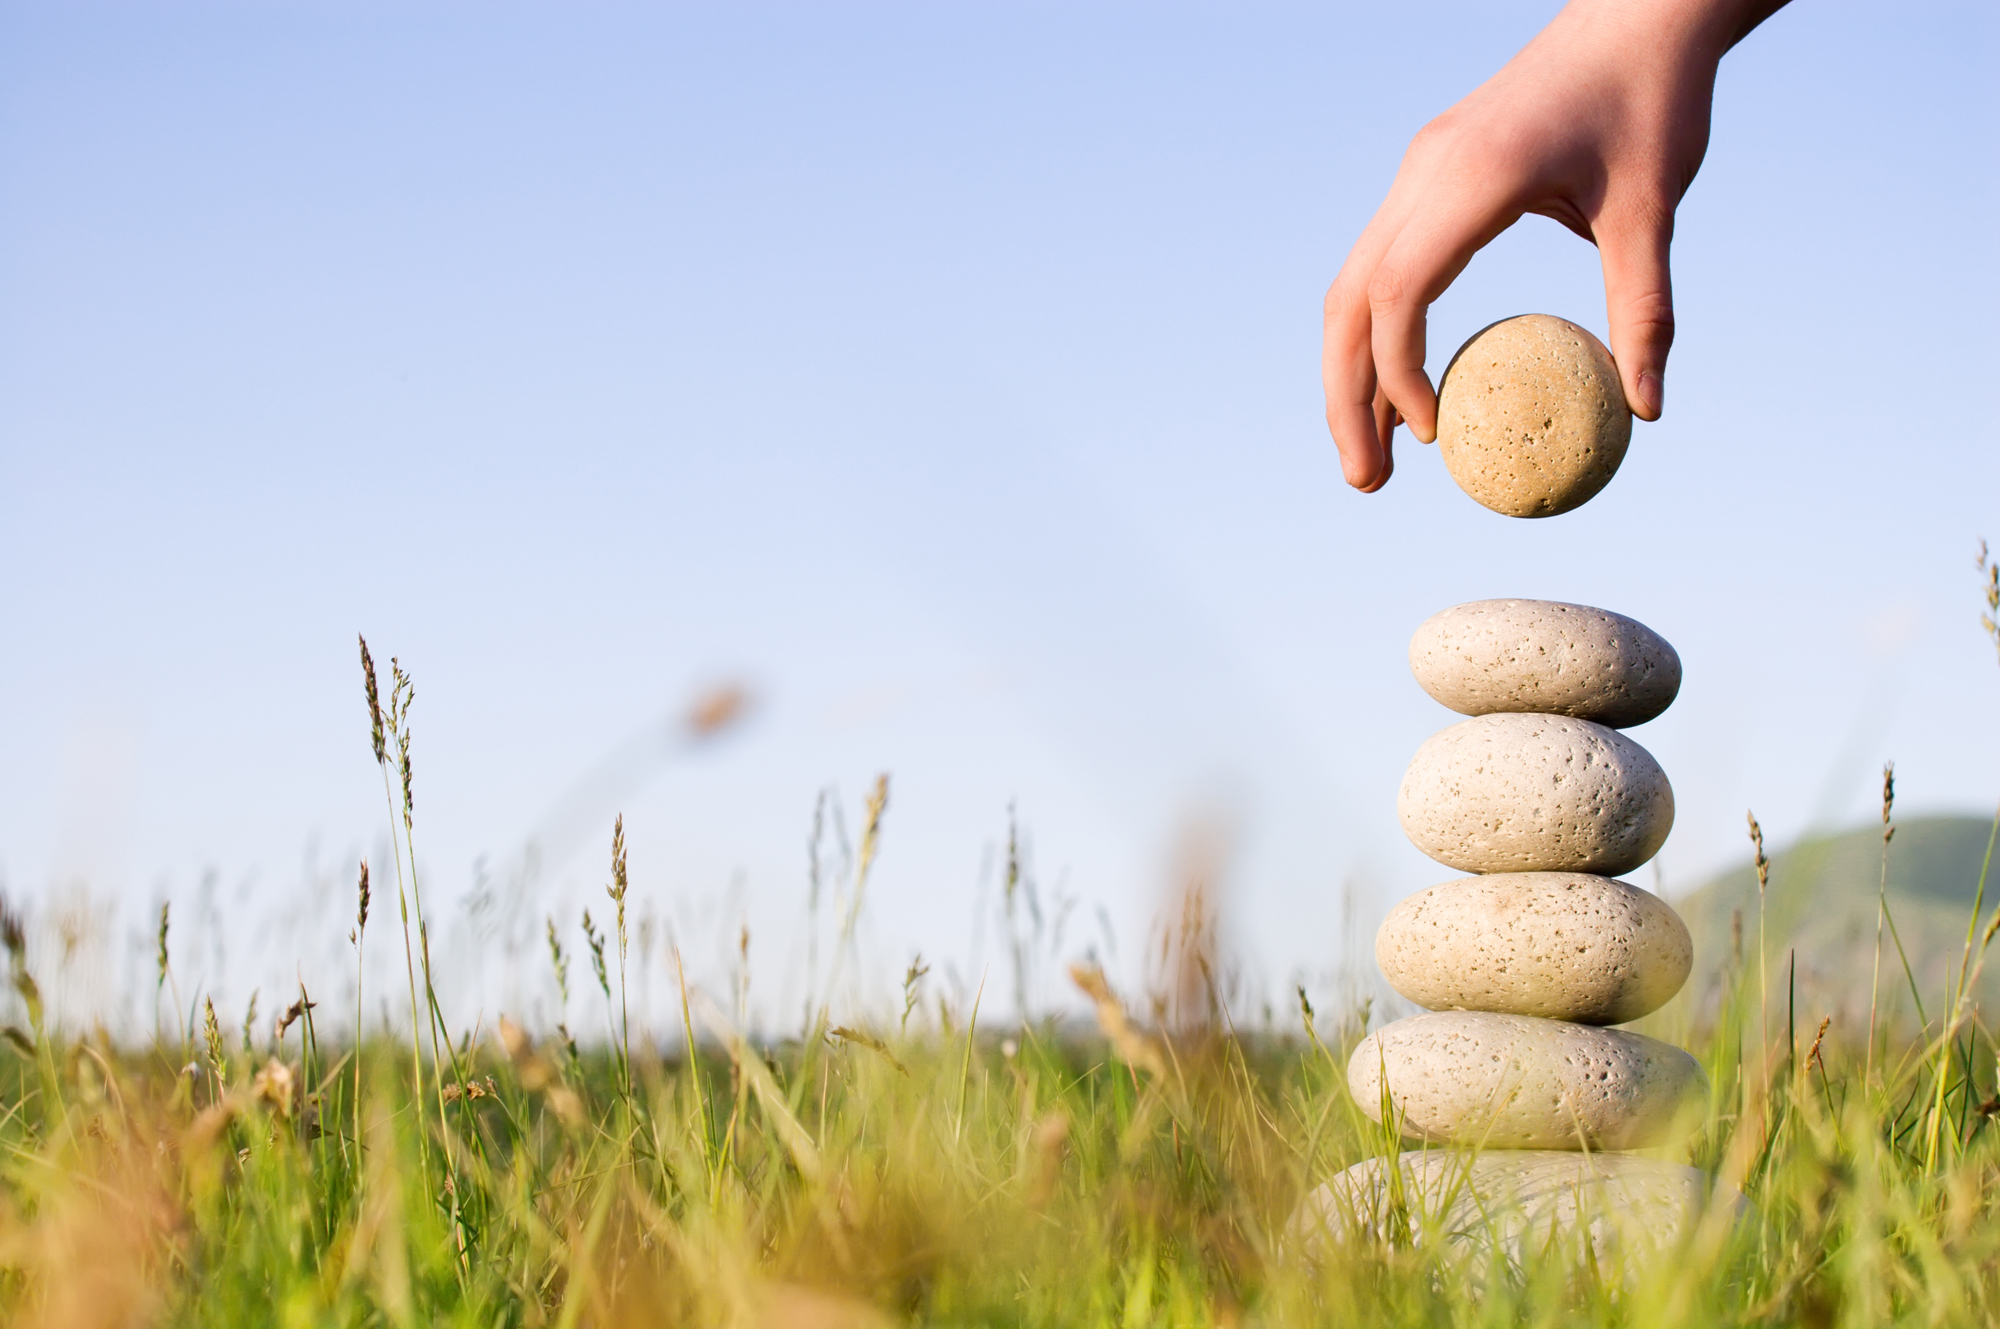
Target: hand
1600,122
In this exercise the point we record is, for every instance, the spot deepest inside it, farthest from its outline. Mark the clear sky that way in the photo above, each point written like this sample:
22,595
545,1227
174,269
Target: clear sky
949,375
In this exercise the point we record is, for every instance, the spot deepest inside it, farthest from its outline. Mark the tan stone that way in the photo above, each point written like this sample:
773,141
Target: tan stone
1535,793
1523,1204
1562,945
1546,657
1532,419
1517,1082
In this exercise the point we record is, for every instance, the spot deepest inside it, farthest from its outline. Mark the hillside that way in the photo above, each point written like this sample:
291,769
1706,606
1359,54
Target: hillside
1821,905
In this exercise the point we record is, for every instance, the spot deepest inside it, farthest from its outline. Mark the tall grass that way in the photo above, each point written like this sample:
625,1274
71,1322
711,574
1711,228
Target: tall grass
943,1174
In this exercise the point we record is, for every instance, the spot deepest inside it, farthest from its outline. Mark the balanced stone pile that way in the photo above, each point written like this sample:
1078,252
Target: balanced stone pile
1524,967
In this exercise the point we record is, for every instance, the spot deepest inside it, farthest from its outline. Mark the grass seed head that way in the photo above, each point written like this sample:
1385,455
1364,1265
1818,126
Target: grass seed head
1989,576
1888,799
620,882
276,1086
595,940
13,934
717,709
14,939
1132,1046
1763,863
211,1030
290,1017
375,735
559,961
871,831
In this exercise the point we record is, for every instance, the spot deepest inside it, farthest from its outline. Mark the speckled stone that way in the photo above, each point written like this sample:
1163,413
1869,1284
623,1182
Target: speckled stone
1535,793
1517,1082
1532,419
1545,657
1562,945
1528,1203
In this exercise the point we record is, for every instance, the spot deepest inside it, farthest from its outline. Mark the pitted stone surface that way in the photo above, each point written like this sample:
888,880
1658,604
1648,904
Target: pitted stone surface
1562,945
1535,793
1545,657
1532,419
1517,1082
1527,1202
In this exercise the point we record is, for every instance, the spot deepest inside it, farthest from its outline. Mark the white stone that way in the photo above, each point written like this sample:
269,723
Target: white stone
1518,1082
1563,945
1535,793
1545,657
1525,1203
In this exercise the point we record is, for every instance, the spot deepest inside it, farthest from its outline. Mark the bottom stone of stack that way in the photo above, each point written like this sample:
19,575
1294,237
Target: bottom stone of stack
1523,1082
1518,1203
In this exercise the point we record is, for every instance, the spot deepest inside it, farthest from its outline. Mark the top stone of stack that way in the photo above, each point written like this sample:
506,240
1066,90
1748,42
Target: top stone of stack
1544,657
1532,419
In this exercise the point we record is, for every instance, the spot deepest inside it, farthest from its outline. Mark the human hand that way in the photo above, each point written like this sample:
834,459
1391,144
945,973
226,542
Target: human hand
1600,122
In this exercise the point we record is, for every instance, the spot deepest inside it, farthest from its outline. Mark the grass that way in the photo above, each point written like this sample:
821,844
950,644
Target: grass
930,1167
942,1175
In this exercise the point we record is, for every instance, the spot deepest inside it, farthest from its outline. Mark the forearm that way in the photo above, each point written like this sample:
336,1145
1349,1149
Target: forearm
1711,27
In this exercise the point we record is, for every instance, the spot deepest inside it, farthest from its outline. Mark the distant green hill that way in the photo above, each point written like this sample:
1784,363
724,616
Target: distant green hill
1821,906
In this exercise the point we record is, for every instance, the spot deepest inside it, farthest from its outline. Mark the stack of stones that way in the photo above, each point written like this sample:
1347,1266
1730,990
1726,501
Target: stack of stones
1524,967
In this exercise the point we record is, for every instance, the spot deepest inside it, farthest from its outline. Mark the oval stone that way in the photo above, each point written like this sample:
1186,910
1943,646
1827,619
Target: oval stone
1545,657
1532,419
1517,1082
1527,1201
1535,793
1562,945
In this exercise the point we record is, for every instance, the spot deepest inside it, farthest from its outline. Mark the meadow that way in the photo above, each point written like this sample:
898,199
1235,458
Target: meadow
932,1166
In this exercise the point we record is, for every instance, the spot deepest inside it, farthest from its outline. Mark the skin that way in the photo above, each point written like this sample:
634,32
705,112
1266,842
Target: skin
1601,123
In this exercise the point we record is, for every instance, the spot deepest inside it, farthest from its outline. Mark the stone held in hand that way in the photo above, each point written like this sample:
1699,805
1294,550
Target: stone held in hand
1560,945
1535,793
1518,1082
1532,419
1545,657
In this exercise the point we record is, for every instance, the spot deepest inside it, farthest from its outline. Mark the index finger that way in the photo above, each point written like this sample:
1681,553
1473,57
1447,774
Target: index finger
1428,254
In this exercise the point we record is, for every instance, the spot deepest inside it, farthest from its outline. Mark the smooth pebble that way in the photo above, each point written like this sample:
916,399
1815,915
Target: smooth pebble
1518,1082
1545,657
1562,945
1527,1201
1535,793
1532,420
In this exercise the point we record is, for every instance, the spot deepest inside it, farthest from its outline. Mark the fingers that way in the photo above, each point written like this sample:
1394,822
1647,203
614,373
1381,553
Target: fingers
1426,257
1639,300
1360,430
1386,418
1355,406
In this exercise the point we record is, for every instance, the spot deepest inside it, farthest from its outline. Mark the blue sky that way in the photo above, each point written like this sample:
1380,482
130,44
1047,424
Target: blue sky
949,374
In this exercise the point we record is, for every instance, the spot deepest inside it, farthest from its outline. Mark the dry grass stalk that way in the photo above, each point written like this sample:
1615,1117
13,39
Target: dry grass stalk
1763,987
870,1042
1881,910
1133,1047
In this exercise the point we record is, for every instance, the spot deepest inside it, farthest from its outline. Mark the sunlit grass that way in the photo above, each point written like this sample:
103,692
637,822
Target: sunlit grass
933,1173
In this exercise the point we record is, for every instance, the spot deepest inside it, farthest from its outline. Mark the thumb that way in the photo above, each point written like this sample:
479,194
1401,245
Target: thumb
1639,299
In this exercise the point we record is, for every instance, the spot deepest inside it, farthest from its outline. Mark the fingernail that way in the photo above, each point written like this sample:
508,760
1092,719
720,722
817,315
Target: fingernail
1652,392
